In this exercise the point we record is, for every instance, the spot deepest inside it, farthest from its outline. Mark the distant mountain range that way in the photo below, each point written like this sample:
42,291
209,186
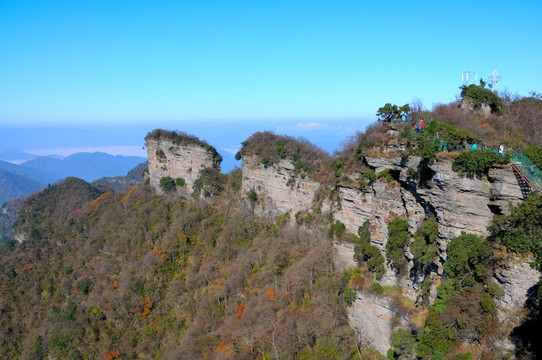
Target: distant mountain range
14,186
33,175
86,166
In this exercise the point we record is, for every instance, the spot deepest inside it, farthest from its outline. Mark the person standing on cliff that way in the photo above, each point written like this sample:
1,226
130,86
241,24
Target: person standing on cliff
422,126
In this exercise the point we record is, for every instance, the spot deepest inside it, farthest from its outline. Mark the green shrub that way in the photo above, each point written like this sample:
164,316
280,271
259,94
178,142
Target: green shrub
385,175
467,257
478,95
375,261
449,133
476,162
198,184
71,309
352,238
534,153
411,172
299,165
423,247
521,231
445,290
487,303
252,195
402,343
160,154
266,162
466,356
364,251
349,296
35,234
435,336
495,290
379,289
370,175
84,287
337,229
167,183
180,182
398,240
427,149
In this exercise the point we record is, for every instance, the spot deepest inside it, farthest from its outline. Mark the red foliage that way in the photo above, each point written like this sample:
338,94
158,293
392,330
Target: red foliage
240,312
114,355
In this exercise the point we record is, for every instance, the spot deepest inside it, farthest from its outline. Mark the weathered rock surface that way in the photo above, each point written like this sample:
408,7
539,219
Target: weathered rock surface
394,162
373,319
177,161
505,190
343,256
516,279
278,188
460,203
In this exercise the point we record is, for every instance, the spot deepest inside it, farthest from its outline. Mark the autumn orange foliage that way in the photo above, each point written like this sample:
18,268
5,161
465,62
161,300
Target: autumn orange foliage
114,355
147,308
95,204
128,194
160,252
240,311
225,347
271,294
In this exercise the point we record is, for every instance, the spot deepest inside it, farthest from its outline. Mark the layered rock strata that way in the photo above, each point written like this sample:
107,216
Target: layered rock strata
373,318
279,189
177,161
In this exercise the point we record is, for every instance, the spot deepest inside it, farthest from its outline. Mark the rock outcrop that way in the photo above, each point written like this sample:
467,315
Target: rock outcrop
182,160
459,204
373,319
279,189
516,278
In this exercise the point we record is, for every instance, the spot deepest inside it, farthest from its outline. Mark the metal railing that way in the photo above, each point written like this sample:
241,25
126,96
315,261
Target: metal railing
528,170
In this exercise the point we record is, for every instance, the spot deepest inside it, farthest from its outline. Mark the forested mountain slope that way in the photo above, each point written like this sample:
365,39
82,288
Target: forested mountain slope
141,275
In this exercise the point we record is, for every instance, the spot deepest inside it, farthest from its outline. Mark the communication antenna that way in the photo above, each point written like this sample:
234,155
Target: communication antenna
495,78
469,77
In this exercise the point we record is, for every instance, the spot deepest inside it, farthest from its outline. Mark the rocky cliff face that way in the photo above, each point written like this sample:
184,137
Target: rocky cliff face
459,204
280,190
177,161
373,319
516,278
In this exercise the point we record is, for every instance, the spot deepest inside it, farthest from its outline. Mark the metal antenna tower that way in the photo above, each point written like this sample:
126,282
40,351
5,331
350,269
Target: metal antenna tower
469,77
495,78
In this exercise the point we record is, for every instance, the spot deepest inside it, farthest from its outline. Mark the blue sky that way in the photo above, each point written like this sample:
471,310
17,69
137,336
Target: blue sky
219,69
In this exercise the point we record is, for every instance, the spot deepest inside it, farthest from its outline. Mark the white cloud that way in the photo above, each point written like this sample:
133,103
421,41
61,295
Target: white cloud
231,150
307,126
112,150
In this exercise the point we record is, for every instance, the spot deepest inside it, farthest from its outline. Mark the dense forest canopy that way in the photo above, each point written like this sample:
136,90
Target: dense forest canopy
138,274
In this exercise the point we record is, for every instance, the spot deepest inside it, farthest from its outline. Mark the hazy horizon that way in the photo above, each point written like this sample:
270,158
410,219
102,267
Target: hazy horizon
226,137
98,76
